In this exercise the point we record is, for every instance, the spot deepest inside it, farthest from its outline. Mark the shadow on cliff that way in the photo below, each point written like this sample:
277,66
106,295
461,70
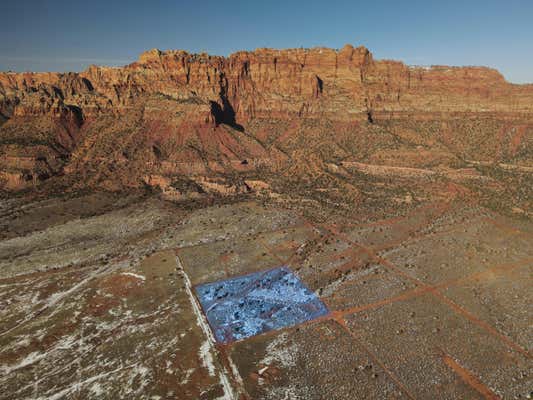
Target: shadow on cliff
225,114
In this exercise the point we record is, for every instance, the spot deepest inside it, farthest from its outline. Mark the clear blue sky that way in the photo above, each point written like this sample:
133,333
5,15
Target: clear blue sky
57,35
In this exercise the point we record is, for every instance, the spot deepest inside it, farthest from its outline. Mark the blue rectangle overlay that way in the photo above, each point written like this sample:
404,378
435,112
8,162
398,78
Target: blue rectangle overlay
248,305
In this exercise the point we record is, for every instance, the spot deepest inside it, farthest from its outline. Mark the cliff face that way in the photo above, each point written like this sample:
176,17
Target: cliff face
268,82
198,113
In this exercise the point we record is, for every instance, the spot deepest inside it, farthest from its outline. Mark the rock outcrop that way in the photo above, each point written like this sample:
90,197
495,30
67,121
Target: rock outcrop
179,113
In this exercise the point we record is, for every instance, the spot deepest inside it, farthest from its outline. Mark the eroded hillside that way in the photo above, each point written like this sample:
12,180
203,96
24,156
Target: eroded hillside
328,123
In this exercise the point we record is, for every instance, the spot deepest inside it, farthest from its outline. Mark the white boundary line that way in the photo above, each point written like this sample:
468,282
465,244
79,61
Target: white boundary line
229,393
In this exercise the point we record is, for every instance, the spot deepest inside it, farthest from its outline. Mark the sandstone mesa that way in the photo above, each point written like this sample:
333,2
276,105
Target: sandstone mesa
172,113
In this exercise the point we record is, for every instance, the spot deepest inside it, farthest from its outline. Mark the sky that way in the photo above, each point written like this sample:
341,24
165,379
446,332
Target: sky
57,35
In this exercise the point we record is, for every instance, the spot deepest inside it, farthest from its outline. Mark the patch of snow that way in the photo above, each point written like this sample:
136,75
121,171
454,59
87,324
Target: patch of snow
209,345
285,393
188,374
96,389
22,342
235,371
35,298
28,360
206,357
279,352
141,277
77,386
56,298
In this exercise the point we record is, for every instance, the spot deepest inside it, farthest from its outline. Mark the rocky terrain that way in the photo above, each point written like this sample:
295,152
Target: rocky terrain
431,302
191,124
399,196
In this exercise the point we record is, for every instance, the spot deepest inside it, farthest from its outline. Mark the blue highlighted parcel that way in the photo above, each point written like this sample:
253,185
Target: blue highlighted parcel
248,305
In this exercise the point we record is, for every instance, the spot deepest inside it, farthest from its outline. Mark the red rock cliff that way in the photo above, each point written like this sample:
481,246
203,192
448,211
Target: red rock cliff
338,83
172,102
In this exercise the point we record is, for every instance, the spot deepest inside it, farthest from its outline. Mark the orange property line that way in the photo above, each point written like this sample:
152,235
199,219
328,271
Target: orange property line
461,311
433,290
404,296
394,220
506,227
469,378
423,287
420,290
395,379
319,240
377,258
271,251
